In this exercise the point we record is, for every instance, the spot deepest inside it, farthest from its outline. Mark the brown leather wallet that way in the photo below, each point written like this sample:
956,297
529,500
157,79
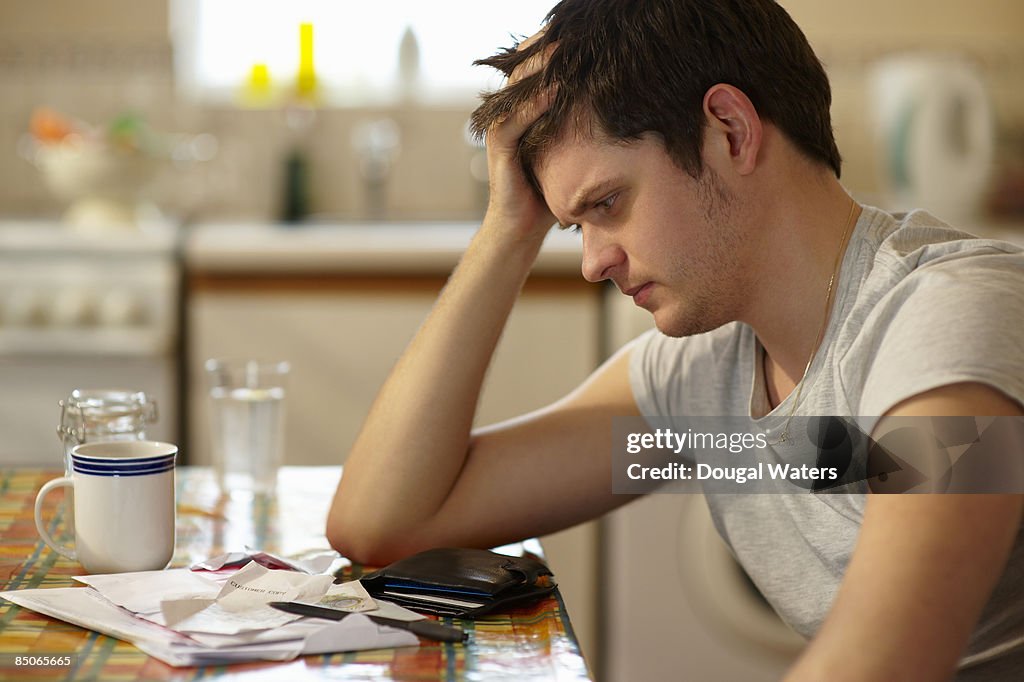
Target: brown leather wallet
459,582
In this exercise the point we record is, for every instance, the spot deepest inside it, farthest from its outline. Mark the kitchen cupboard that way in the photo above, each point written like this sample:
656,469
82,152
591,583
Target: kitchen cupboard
342,336
341,305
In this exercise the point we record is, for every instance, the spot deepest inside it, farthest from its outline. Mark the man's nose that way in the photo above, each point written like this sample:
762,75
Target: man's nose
600,256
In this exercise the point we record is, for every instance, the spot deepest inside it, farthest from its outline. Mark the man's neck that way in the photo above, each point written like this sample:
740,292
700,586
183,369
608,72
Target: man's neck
802,242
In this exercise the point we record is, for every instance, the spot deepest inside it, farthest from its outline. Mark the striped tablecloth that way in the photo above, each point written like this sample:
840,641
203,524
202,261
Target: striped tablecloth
534,643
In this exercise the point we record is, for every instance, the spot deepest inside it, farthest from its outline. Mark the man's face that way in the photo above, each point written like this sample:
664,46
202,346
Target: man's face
668,240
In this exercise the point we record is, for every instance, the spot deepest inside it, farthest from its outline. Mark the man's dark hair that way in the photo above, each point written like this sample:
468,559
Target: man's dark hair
638,66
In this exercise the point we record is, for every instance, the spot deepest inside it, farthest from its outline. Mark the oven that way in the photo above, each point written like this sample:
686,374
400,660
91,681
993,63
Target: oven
83,311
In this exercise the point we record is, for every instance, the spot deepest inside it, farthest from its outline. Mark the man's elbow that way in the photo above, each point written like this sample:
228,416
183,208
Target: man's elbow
362,544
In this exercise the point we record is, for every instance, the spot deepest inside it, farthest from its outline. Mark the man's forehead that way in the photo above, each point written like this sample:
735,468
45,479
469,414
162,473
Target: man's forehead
575,158
565,167
574,173
573,147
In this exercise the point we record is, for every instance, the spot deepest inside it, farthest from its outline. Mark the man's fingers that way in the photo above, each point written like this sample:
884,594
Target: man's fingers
527,114
532,39
533,65
507,131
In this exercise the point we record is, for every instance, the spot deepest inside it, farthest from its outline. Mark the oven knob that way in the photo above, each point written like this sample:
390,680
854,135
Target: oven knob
23,308
119,308
73,307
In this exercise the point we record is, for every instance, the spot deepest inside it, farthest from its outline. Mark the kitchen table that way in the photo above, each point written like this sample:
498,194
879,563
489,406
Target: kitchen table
529,643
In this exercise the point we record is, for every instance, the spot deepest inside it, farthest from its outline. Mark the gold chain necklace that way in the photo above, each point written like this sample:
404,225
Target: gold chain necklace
784,436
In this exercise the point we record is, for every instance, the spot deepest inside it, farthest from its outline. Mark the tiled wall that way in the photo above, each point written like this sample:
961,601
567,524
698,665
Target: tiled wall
97,58
97,79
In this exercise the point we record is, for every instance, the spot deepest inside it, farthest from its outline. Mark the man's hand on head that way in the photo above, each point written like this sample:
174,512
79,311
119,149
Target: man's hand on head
514,203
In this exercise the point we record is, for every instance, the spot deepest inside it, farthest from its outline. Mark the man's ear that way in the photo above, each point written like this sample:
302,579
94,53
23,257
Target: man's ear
730,113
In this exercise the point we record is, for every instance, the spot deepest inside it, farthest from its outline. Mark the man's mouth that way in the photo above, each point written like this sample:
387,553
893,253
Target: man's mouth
639,293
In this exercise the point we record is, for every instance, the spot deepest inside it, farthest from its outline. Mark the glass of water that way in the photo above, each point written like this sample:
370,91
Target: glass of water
247,423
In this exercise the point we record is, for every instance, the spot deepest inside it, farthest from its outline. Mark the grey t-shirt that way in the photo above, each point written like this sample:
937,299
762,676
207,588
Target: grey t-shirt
919,305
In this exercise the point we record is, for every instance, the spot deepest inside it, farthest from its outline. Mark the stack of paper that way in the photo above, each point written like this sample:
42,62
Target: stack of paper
188,618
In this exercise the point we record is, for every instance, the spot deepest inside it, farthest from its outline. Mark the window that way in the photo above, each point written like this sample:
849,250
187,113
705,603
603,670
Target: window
225,49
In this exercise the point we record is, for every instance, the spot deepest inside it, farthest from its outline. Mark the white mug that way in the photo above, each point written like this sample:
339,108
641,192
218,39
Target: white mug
124,506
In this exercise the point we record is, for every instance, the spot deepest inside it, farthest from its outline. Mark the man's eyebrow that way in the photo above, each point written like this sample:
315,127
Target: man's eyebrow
587,194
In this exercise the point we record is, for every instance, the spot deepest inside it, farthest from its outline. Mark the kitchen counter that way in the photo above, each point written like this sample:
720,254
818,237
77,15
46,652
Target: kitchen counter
410,248
354,249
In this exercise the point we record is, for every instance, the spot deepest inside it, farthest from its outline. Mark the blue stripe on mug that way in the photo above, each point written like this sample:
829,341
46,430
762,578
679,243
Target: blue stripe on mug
78,466
129,470
156,464
120,472
101,458
122,462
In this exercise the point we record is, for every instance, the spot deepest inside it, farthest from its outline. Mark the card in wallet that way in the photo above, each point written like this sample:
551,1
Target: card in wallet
460,582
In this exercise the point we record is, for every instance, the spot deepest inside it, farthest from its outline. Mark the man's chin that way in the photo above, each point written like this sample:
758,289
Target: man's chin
671,327
678,326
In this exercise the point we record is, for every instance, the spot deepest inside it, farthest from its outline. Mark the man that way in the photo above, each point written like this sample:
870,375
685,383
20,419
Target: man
690,142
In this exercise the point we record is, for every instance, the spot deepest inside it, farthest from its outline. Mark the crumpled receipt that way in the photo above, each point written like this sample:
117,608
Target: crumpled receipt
241,605
312,562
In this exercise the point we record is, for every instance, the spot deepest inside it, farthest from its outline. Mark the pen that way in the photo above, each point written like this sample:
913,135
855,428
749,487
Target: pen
427,629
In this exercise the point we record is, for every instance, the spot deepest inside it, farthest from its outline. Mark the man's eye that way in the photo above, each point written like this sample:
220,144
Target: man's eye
607,202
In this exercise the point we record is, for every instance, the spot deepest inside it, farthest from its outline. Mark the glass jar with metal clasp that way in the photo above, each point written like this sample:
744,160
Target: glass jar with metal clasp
97,415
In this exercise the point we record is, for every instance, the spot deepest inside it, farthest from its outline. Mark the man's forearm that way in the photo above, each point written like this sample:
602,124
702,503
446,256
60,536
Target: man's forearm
923,568
416,437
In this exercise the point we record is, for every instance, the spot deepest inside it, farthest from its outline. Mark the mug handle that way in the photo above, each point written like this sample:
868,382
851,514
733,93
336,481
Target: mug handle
63,481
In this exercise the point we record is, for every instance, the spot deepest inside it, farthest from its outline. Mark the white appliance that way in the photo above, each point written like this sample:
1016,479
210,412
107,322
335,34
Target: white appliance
677,605
935,131
83,311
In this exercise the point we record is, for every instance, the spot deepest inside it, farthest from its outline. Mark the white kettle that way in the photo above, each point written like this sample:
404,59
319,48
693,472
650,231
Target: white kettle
935,133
